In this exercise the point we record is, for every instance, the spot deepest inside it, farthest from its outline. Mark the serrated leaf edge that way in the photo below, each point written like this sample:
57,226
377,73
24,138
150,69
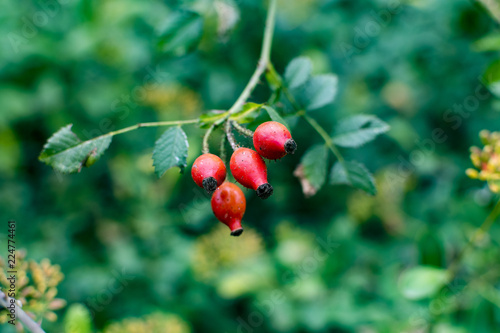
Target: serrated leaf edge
185,139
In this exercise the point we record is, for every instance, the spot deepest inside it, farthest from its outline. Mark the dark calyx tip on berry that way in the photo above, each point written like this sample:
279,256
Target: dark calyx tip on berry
264,191
290,146
237,232
209,184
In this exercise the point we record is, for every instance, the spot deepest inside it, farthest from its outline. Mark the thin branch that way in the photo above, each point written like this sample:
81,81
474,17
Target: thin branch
205,148
265,55
324,135
151,124
20,314
140,125
230,136
241,129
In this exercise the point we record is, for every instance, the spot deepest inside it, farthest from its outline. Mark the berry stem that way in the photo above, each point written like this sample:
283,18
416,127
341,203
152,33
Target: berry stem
205,147
230,136
223,148
20,314
264,59
241,129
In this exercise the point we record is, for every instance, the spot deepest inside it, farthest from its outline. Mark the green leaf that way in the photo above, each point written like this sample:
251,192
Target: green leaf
353,174
312,169
491,78
320,90
275,115
171,150
422,282
77,319
66,153
487,43
181,33
298,72
212,117
248,113
358,130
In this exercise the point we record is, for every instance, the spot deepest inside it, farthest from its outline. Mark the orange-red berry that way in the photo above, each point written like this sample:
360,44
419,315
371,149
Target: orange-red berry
249,169
208,172
228,205
272,140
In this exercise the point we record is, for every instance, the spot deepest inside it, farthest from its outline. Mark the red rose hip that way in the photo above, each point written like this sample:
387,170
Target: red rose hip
208,172
272,140
249,169
228,205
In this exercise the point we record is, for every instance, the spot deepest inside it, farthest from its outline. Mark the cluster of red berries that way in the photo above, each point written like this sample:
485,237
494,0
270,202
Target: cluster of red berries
271,140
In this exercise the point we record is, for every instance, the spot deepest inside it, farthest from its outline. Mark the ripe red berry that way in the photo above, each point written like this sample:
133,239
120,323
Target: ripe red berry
228,205
250,170
272,140
208,171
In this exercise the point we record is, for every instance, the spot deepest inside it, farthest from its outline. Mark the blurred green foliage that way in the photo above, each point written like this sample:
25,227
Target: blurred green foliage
138,250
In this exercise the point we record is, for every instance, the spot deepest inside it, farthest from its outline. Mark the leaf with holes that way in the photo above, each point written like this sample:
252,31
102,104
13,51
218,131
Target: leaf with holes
275,116
312,169
357,130
353,174
66,153
171,150
298,72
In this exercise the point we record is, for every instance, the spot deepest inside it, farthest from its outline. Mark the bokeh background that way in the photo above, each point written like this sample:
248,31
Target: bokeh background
131,245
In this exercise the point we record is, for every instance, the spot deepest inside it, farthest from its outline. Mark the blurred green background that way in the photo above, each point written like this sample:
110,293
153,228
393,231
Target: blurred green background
131,245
